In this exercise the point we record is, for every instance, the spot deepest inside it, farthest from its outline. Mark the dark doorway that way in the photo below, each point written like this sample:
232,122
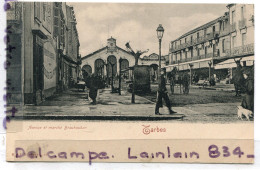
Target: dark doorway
38,70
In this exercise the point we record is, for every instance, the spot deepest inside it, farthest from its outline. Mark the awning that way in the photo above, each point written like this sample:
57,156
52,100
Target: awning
230,63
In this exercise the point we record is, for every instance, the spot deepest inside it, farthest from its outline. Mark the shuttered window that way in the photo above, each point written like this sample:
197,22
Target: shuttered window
56,19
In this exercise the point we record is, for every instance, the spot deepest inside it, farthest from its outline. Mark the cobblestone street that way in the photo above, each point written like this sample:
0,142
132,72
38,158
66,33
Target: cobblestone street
201,105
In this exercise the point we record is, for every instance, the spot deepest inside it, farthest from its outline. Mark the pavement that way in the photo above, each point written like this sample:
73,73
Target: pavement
218,86
75,105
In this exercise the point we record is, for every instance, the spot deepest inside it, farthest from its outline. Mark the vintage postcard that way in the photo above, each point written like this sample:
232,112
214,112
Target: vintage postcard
129,82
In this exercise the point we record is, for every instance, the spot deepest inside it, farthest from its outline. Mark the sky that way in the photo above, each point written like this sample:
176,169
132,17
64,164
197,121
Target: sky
137,23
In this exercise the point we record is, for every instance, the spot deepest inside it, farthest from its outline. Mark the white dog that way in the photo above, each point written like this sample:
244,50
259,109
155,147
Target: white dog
242,111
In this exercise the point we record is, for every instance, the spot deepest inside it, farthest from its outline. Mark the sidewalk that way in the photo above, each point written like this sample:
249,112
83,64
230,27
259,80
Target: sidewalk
73,104
218,86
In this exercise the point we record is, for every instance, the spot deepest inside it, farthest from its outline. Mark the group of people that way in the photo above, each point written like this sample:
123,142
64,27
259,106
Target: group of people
182,80
94,82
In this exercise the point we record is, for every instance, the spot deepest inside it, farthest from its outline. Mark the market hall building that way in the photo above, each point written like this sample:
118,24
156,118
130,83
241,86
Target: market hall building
105,61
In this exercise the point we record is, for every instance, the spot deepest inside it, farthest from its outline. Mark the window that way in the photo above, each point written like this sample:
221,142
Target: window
180,42
185,40
191,39
198,52
234,41
243,39
223,25
191,53
180,55
198,34
223,46
233,17
185,54
206,51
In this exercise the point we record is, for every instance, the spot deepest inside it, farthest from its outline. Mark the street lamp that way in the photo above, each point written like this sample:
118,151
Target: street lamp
160,31
210,63
191,65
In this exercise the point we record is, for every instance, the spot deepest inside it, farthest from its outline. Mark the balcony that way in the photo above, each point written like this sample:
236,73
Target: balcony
242,23
233,27
209,36
241,51
224,32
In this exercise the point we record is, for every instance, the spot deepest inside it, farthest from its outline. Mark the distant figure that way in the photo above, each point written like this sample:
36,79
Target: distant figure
93,88
186,83
195,78
172,83
248,100
238,78
173,79
163,94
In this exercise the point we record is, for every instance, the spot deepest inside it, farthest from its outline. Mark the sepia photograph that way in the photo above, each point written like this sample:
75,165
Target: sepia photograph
135,70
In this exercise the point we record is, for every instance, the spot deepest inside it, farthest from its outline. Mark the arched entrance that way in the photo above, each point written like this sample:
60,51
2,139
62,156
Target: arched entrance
99,67
111,66
154,72
124,66
87,69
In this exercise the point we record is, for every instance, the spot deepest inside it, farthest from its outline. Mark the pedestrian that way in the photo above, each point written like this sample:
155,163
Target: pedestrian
186,83
163,94
172,83
248,100
173,79
93,89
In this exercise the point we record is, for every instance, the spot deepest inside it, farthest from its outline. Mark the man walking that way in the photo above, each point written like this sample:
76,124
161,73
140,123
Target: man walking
163,94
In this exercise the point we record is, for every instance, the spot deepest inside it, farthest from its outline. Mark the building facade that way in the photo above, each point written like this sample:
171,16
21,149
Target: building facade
105,61
213,47
36,54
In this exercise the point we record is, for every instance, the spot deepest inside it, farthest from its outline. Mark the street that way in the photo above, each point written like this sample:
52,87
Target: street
201,105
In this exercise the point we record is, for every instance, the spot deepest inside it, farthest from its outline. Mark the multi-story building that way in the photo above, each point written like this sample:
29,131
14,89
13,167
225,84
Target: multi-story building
241,37
34,56
68,45
211,48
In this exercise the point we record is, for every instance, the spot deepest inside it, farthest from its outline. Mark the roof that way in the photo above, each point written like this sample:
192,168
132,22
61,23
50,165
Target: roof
95,52
101,49
198,28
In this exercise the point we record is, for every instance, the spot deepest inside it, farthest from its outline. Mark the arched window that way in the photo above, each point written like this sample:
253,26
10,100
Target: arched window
99,67
111,65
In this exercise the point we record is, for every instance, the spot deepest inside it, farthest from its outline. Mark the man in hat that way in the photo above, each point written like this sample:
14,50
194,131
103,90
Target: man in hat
163,94
248,100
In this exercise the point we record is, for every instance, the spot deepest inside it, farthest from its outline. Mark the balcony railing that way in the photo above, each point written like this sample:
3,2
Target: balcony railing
242,23
224,32
209,36
233,27
240,51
